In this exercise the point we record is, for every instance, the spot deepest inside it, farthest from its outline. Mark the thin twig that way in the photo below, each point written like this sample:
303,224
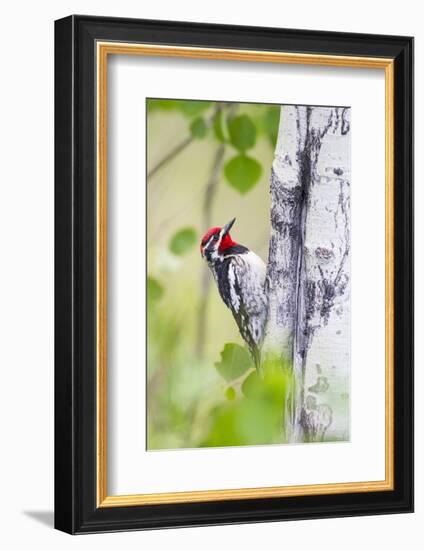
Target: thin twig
169,156
181,146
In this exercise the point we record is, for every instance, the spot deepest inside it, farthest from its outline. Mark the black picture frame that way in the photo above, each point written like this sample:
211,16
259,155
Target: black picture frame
76,510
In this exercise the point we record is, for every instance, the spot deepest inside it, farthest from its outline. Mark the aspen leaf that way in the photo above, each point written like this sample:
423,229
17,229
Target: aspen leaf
271,122
220,127
230,393
193,108
242,132
198,128
235,360
183,241
154,290
242,173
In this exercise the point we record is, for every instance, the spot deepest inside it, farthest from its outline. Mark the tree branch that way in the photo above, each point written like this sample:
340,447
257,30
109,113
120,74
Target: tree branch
183,144
169,156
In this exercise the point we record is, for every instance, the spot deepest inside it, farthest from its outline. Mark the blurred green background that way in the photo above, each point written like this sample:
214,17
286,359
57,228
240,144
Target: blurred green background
207,163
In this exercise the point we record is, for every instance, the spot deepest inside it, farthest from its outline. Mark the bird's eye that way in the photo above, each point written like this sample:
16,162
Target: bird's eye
215,237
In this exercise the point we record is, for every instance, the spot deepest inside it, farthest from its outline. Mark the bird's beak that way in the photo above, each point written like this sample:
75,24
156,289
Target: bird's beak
227,227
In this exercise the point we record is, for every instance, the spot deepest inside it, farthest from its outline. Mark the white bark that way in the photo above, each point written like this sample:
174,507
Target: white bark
308,266
283,257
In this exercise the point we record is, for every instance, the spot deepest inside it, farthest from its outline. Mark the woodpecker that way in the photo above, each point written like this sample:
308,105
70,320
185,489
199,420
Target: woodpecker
240,276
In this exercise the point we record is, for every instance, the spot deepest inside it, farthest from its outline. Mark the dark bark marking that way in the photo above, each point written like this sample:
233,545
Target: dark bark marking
309,300
315,420
345,123
311,293
320,386
285,219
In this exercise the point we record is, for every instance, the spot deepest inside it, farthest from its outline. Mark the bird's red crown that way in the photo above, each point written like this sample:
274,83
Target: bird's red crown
226,241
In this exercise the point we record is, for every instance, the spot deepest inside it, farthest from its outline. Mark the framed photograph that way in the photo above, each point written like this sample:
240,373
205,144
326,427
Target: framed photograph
234,274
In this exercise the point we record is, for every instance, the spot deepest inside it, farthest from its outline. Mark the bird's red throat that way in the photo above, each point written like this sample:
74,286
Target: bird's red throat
226,242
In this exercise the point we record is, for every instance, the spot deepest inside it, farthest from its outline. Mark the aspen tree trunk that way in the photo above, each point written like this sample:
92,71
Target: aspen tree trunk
309,266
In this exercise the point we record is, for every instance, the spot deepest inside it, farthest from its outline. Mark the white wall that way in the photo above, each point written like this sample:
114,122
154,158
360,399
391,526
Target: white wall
26,275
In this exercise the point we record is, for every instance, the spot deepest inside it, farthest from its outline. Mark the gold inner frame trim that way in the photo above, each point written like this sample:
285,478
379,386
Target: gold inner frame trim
104,49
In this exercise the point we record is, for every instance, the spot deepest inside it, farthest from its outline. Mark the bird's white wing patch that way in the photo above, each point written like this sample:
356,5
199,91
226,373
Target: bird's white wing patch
250,271
235,298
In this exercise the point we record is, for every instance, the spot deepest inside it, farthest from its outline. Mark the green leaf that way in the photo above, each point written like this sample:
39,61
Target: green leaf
193,108
242,132
230,393
183,241
259,417
154,290
242,173
220,127
235,360
161,104
224,430
251,385
198,128
271,121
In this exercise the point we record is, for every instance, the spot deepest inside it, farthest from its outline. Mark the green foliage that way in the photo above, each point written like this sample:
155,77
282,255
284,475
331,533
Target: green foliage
198,128
220,127
242,132
258,418
161,105
193,108
214,398
271,121
164,334
154,290
230,393
183,241
243,173
235,361
249,384
175,383
189,108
